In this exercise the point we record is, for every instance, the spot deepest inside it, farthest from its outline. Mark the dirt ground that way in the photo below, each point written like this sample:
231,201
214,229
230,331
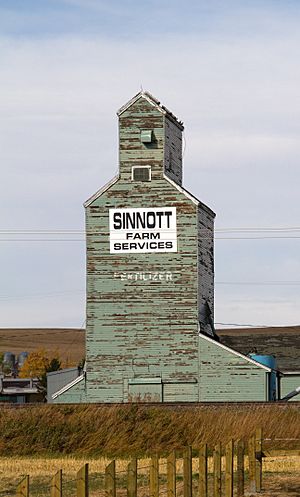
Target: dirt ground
281,485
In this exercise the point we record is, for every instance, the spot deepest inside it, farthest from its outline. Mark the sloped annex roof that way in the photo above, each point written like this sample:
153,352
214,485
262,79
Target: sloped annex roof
68,386
235,352
283,342
153,101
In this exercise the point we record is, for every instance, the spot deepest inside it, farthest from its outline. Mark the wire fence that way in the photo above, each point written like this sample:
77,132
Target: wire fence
234,469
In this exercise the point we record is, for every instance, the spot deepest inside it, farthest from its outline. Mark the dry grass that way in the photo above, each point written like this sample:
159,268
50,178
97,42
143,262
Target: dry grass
279,473
118,431
40,467
282,464
84,433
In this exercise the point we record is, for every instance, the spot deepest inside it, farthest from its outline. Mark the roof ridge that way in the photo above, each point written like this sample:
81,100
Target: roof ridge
154,101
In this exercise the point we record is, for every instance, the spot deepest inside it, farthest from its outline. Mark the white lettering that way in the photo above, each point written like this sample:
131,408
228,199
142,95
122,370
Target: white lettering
142,276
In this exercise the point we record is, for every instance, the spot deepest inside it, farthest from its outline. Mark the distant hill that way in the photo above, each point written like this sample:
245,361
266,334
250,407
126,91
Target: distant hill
68,342
283,342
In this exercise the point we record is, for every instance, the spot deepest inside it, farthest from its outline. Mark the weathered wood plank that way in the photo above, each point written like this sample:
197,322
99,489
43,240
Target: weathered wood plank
56,484
171,474
217,471
132,478
240,468
203,471
187,472
83,481
154,477
229,469
110,479
258,459
252,464
23,487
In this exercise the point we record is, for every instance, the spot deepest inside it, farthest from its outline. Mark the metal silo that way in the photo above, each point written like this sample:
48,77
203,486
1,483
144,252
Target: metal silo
22,358
9,359
270,361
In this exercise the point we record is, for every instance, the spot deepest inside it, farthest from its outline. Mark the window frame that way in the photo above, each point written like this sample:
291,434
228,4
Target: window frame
141,167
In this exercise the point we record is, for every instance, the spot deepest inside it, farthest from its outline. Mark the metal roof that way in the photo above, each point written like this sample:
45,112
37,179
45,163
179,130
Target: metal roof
235,352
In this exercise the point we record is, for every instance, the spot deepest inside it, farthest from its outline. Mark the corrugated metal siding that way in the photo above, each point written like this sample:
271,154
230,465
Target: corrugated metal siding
288,384
225,376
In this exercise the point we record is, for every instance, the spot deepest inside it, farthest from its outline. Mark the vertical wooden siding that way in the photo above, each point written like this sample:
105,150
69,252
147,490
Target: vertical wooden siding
288,384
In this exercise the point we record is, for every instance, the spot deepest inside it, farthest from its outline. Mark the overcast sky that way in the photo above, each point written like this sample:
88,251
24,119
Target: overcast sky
229,69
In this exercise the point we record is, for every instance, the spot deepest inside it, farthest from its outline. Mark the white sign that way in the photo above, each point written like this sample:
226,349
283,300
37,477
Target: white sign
143,230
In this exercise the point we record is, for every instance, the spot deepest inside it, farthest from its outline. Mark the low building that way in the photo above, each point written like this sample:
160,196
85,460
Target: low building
57,380
20,390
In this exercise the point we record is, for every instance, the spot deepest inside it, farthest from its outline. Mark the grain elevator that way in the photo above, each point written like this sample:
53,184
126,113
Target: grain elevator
150,281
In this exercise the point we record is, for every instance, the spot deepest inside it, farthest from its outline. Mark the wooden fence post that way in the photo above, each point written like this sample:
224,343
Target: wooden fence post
187,472
251,456
171,474
110,479
154,476
56,484
240,468
229,469
132,478
217,470
23,487
83,481
203,471
258,459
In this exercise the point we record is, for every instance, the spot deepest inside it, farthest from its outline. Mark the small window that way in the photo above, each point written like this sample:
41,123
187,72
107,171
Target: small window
141,173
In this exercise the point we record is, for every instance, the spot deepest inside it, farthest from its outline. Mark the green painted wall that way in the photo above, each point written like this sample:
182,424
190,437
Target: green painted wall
145,310
225,376
288,383
139,327
73,395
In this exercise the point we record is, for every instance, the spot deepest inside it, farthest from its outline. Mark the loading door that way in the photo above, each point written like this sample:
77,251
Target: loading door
145,390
